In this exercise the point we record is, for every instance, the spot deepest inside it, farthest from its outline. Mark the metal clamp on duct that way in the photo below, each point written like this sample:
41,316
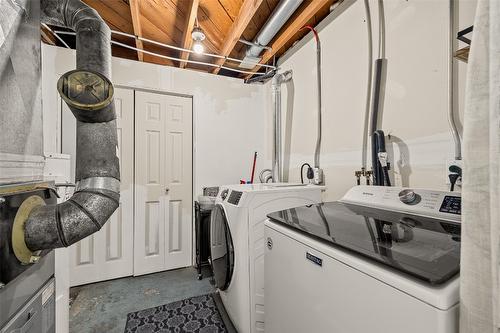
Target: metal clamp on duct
89,94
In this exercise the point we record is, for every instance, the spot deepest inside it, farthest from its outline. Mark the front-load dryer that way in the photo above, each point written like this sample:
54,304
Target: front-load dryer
237,244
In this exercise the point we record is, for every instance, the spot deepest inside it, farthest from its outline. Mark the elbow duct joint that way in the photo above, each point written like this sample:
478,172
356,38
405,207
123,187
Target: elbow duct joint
89,94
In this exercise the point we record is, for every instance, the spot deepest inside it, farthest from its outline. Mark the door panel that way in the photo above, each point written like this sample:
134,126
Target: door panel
163,214
107,254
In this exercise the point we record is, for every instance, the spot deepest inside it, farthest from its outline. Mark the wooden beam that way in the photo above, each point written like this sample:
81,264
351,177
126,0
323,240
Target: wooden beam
47,36
247,11
136,23
307,13
186,39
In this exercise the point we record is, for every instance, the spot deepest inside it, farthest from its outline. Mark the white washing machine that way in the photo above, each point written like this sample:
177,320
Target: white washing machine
381,260
237,244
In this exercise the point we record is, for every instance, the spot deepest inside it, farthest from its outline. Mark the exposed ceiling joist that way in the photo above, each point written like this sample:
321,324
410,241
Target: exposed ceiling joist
305,15
136,22
171,21
245,14
47,36
186,39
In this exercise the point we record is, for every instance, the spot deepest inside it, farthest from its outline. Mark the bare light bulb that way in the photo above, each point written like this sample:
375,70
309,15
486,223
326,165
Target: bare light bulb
198,48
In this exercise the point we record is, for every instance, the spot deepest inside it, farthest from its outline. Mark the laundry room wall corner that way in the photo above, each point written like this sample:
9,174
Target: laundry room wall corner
416,95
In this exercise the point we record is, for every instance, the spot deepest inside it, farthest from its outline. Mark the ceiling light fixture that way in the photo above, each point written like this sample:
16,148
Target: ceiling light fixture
198,36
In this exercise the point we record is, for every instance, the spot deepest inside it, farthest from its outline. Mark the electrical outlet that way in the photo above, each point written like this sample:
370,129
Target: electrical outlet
449,163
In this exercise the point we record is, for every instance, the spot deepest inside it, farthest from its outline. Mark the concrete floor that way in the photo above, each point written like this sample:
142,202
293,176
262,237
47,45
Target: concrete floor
103,307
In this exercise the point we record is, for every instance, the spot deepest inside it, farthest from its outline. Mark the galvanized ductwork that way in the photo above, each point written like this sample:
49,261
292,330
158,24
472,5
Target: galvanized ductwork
274,23
89,95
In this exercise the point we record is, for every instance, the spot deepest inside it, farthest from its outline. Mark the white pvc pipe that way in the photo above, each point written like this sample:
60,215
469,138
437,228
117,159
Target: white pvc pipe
364,153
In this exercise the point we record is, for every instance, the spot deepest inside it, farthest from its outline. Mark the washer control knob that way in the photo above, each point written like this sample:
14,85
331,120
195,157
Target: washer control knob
408,196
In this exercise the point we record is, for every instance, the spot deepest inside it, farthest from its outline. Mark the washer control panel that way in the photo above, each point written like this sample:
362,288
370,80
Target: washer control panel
409,197
452,205
433,203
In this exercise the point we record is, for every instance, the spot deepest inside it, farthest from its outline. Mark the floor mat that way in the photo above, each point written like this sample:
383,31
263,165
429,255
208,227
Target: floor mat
195,314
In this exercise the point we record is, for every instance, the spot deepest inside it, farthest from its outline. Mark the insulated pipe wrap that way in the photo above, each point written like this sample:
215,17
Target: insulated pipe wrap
93,162
33,231
73,223
97,166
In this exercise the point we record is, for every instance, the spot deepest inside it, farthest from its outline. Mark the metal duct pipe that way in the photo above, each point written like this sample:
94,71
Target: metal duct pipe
274,23
278,79
89,95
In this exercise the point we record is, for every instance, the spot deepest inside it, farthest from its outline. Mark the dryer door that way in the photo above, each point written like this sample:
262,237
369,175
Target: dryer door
221,248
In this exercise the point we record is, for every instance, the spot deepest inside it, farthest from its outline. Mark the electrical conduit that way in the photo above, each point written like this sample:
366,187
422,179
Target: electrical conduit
318,173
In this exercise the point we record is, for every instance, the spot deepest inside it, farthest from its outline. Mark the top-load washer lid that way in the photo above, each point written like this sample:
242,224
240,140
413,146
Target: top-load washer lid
221,248
425,247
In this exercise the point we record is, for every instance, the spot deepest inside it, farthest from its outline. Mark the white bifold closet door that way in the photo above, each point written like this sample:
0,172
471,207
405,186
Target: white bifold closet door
107,254
163,176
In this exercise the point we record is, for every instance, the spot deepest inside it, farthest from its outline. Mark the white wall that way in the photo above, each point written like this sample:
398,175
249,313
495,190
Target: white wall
416,100
228,114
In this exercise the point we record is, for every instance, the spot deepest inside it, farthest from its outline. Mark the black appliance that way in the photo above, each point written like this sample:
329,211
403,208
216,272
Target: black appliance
221,248
27,301
202,226
424,247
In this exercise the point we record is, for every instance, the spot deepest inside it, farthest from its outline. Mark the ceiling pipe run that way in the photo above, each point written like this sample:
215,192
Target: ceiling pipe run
274,23
89,95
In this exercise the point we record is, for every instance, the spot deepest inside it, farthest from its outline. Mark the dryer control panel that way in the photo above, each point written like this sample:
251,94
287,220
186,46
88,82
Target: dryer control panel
234,197
432,203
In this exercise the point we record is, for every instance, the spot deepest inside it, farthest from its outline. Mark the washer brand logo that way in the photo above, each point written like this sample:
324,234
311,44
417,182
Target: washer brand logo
318,261
269,243
367,193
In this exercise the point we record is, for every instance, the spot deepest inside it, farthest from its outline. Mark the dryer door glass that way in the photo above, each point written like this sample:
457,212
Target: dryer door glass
221,248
